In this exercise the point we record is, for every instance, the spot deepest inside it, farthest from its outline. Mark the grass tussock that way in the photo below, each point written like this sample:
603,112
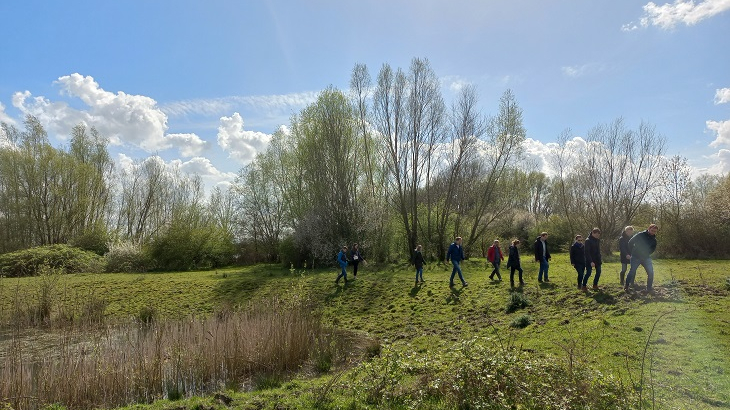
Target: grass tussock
517,301
475,374
144,361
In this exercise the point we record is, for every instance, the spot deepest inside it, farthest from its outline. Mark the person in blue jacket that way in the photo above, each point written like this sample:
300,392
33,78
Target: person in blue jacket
641,246
418,261
342,260
456,255
578,259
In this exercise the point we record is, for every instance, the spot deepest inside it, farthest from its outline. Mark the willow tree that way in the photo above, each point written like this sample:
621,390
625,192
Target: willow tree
324,155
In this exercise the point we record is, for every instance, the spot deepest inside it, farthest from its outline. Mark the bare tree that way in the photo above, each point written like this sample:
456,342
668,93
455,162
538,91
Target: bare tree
467,127
491,199
409,114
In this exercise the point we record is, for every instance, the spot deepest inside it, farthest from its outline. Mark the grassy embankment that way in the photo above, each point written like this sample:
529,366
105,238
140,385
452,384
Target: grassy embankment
686,363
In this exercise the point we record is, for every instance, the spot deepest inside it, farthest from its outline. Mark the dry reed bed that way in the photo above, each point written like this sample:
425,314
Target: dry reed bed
137,362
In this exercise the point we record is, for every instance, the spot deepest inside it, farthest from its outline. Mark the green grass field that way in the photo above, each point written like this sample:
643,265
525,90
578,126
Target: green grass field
686,361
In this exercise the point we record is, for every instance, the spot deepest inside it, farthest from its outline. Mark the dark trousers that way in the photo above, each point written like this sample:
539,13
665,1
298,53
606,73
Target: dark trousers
624,267
581,270
588,275
354,268
495,271
512,274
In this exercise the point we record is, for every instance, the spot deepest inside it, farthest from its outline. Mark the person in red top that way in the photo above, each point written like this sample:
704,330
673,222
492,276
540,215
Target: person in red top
495,257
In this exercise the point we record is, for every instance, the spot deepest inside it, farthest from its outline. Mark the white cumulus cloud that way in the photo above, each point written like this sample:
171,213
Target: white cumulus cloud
685,12
722,164
121,117
189,145
722,95
239,143
722,132
4,117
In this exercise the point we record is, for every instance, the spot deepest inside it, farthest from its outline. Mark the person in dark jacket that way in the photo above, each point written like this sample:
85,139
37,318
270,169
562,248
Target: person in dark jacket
623,248
355,258
641,246
513,262
342,261
456,255
578,258
592,249
542,255
418,261
495,257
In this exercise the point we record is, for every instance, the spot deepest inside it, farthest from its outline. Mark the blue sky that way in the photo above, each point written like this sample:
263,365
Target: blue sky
203,84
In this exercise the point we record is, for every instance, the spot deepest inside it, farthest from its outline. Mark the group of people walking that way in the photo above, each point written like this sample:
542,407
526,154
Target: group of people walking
634,250
542,256
345,258
585,256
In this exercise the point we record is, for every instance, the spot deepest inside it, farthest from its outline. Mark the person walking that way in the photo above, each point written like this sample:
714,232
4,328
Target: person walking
513,262
623,248
355,258
342,260
542,255
495,257
593,258
456,255
641,246
418,261
578,259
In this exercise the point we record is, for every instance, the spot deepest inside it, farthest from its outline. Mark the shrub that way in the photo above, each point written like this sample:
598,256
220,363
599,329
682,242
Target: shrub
521,322
516,301
67,259
126,257
184,248
94,239
290,254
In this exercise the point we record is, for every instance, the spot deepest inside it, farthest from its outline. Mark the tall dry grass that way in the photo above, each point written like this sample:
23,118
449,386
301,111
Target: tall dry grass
139,363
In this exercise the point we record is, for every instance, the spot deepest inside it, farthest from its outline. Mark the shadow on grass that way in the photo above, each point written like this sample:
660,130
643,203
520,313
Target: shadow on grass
454,297
604,298
415,289
240,286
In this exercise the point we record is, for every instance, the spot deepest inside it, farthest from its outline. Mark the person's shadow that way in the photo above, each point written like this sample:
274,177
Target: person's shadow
454,297
415,289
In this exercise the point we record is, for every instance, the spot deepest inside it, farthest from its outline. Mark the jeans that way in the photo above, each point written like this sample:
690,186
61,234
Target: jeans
544,265
581,270
589,268
419,273
512,274
344,273
495,271
648,266
457,269
624,266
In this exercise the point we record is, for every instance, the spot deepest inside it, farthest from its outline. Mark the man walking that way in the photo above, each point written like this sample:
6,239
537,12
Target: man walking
542,255
578,259
641,246
456,255
342,260
623,247
593,258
